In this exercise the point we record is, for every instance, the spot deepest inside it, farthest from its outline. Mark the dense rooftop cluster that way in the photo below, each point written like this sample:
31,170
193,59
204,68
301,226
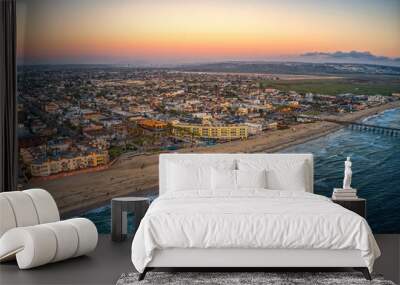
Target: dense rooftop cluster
76,114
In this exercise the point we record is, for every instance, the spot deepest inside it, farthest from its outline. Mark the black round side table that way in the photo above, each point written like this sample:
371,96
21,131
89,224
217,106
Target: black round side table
120,207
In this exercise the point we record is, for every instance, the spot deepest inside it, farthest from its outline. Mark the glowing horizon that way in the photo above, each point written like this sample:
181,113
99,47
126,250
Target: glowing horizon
172,31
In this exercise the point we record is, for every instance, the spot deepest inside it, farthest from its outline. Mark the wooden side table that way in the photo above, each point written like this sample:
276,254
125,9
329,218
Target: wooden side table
120,207
357,205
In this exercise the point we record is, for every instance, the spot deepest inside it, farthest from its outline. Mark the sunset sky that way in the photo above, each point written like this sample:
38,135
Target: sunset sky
131,31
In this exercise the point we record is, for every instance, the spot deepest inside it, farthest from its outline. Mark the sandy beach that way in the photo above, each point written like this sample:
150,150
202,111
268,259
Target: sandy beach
140,173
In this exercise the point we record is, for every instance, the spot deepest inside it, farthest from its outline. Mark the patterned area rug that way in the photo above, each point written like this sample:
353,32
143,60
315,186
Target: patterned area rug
243,278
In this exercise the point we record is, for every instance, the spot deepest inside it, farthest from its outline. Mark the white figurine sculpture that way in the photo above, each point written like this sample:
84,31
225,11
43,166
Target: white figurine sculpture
347,174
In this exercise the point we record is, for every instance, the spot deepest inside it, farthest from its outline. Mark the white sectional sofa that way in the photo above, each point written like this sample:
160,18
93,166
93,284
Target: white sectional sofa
31,231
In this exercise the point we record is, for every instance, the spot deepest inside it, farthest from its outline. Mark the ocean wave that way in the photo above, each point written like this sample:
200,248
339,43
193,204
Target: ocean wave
366,119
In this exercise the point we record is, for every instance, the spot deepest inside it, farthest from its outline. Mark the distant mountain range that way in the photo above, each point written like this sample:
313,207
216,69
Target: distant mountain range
363,57
313,63
292,68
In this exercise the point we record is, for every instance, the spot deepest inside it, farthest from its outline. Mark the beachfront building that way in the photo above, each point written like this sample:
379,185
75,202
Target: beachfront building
152,124
254,128
69,163
379,99
51,107
272,125
211,132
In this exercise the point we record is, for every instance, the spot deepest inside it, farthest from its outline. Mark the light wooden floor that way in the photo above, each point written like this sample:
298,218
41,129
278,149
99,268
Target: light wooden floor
110,260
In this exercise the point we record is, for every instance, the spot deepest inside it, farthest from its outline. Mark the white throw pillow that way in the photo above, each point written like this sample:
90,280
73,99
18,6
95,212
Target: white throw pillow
185,178
281,175
251,178
287,178
223,179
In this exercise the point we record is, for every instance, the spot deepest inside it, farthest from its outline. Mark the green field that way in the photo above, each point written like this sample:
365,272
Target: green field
360,86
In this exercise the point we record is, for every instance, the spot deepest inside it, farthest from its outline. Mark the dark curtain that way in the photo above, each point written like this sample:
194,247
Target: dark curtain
8,98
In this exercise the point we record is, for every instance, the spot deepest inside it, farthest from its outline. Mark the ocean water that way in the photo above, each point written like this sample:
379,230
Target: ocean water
376,171
376,168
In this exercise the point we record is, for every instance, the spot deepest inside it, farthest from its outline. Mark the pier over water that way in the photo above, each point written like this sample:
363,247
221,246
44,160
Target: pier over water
389,131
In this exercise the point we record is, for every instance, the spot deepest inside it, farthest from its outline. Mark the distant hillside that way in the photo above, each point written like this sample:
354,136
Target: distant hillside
293,68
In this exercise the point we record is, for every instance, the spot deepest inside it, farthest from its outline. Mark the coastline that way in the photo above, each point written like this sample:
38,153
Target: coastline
139,175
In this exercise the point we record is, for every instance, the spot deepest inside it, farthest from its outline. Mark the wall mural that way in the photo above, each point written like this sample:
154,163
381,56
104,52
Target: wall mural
105,86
